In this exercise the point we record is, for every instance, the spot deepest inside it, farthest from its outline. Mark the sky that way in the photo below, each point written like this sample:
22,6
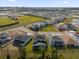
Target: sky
39,3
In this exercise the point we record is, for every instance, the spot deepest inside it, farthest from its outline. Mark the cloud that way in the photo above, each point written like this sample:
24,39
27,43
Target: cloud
11,0
65,2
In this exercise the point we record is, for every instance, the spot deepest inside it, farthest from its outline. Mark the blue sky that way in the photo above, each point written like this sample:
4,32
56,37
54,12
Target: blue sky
40,3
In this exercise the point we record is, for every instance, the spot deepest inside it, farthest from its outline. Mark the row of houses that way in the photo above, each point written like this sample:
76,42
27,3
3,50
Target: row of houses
40,41
17,38
66,27
57,20
47,14
40,25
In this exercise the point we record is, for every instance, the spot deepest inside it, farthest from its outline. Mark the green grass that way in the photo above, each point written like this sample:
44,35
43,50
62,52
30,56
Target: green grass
25,20
49,28
5,21
70,53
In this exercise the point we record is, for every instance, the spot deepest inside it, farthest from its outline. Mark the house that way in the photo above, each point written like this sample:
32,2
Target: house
38,26
22,40
61,26
69,40
4,38
39,42
71,27
76,39
65,27
57,20
13,17
57,42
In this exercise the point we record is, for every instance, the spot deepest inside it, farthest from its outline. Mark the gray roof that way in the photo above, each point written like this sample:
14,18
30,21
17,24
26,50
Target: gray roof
39,38
40,44
22,38
57,38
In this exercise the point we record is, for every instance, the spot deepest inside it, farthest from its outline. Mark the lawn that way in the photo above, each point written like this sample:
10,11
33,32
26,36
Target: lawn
25,20
5,21
70,53
49,28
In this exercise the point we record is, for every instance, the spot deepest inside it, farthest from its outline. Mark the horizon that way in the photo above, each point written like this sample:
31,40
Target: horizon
39,3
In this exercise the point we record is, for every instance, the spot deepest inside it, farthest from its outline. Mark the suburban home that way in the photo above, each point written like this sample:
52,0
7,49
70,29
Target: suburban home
4,38
39,42
13,17
57,20
64,27
70,40
76,39
61,26
57,42
71,27
38,26
22,40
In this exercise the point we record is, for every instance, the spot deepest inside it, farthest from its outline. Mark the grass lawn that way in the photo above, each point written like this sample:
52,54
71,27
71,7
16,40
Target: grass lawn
50,28
5,21
70,53
25,20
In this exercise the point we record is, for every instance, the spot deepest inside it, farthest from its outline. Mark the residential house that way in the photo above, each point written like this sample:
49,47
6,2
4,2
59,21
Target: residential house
39,42
57,42
22,40
4,38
